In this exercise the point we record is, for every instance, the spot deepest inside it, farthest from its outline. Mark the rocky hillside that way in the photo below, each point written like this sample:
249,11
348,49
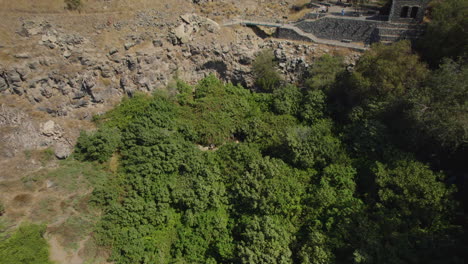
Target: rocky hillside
58,68
74,72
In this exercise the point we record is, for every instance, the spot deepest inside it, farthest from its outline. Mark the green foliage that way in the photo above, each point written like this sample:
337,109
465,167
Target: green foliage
331,209
268,187
219,174
73,4
440,108
325,72
286,100
98,146
385,73
412,213
265,240
446,34
266,130
25,246
315,249
410,190
313,106
312,146
184,92
121,116
265,71
209,87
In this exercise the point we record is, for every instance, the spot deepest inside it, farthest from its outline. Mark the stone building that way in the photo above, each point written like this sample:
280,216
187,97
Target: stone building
403,23
407,11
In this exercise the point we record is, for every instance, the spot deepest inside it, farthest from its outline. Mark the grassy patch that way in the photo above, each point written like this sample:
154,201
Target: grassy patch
74,229
72,175
45,210
46,156
25,246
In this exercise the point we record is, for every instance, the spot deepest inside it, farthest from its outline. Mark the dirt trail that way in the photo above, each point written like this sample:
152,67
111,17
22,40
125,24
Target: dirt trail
60,255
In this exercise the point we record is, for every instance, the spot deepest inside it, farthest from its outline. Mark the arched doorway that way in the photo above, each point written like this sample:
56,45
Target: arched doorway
414,12
404,11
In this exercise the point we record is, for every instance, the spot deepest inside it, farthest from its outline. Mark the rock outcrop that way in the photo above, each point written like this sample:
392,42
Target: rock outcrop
67,76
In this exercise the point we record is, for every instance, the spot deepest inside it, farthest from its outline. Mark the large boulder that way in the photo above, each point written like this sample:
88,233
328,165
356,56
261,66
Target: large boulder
182,34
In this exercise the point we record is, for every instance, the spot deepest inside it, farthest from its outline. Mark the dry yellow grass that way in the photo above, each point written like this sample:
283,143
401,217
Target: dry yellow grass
89,6
33,6
293,16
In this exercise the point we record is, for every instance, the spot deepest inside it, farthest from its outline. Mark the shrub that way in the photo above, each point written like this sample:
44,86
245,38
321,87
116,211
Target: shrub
26,246
98,146
287,100
325,72
264,69
2,209
73,4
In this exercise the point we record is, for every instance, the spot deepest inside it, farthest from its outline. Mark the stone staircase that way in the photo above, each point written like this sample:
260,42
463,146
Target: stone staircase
391,32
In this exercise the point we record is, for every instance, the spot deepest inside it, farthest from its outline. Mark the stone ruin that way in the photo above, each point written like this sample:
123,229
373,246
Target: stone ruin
407,11
403,22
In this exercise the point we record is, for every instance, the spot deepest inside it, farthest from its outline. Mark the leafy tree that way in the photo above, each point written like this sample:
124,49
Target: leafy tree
313,106
410,190
266,130
312,146
204,238
275,190
315,249
324,72
182,91
265,71
330,213
446,34
129,109
268,187
210,86
440,108
265,240
98,146
385,73
412,217
366,136
286,100
26,246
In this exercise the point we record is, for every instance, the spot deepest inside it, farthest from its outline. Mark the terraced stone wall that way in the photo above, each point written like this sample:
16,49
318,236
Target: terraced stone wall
286,33
342,28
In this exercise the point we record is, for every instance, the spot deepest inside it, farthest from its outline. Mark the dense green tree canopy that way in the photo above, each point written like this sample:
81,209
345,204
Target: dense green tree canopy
446,35
440,107
386,73
215,173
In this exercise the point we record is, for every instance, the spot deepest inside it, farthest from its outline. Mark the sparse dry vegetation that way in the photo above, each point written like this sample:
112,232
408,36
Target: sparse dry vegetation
2,208
73,4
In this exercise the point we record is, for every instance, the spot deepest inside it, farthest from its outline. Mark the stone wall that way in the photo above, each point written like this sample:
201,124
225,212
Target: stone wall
313,15
286,33
342,28
402,11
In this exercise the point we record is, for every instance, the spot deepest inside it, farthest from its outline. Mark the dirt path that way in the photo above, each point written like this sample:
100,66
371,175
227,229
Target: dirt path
60,255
